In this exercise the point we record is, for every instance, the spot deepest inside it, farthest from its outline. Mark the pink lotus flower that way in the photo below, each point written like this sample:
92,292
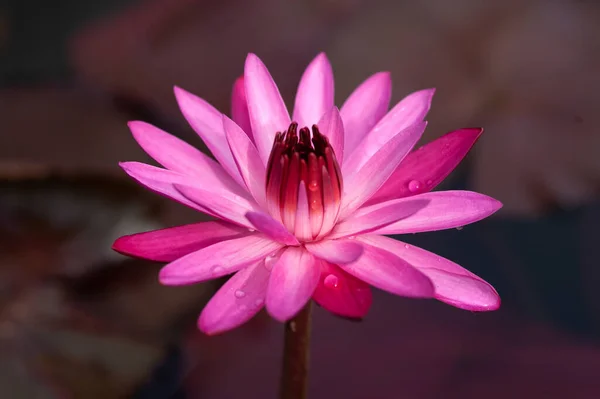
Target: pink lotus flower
304,215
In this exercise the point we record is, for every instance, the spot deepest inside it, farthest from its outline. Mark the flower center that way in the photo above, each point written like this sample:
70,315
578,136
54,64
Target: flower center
304,182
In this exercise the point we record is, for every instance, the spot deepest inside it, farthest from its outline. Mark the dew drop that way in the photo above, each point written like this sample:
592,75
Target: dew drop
269,261
314,205
414,186
240,294
459,228
218,270
251,230
406,246
331,281
258,302
313,185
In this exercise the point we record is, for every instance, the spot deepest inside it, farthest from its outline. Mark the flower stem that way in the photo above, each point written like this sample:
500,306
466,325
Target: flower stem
294,375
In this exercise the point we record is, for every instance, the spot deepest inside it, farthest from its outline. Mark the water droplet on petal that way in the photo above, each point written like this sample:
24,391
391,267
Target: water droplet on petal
459,228
314,205
414,186
351,237
313,185
240,294
218,270
331,281
269,261
406,246
258,302
251,230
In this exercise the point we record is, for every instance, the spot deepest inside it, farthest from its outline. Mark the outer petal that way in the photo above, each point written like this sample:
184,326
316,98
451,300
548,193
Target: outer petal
239,107
341,293
332,126
364,108
428,165
238,300
385,270
293,280
162,181
412,109
377,216
218,260
336,251
266,108
362,184
271,228
444,210
315,92
179,156
208,123
453,284
247,160
167,245
221,203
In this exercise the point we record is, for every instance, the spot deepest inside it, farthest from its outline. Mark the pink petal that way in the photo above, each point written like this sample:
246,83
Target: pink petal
238,300
268,114
224,204
177,155
336,251
332,126
208,124
364,108
370,218
315,92
218,260
362,184
453,284
341,293
385,270
427,166
162,181
444,210
239,107
293,280
247,160
166,245
412,109
271,228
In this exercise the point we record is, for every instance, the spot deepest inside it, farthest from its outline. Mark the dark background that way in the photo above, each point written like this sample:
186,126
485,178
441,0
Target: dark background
77,320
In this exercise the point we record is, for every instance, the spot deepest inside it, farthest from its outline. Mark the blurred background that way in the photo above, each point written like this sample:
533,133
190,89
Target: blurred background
80,321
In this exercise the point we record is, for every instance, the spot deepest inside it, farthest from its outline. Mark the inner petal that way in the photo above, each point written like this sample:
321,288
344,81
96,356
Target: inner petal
304,182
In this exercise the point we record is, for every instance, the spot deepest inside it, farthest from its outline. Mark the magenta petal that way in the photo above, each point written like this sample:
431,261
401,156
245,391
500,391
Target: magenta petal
247,160
428,165
268,114
406,113
315,92
385,270
341,293
239,107
364,108
293,281
167,245
370,218
453,284
237,301
162,181
224,204
218,260
332,126
444,210
271,228
362,184
336,251
207,122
